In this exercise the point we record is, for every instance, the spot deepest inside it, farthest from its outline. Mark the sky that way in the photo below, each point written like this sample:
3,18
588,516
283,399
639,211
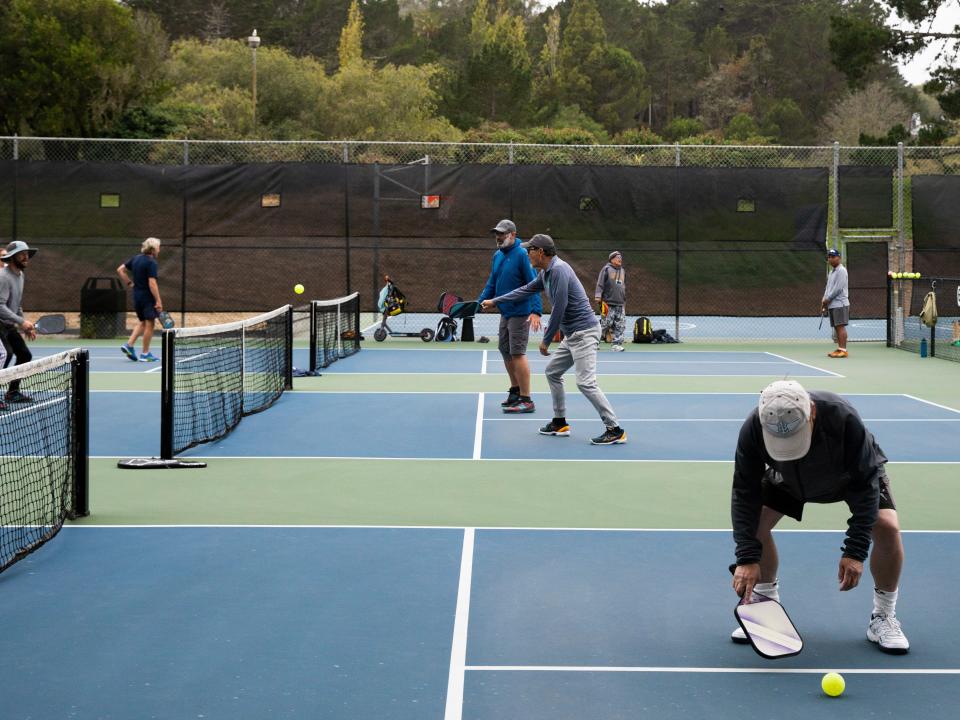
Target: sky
916,71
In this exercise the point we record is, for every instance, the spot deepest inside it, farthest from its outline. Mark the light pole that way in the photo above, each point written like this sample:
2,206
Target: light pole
253,42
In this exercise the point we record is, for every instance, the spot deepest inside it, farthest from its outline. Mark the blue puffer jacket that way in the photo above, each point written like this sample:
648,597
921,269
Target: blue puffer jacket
511,270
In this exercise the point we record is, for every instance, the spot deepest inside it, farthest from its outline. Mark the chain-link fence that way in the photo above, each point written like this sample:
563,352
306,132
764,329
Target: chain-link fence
719,242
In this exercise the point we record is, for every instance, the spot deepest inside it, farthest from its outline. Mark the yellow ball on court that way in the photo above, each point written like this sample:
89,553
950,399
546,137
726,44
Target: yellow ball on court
298,289
833,684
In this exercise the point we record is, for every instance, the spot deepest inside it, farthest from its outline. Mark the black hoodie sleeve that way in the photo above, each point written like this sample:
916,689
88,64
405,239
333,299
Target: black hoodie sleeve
747,499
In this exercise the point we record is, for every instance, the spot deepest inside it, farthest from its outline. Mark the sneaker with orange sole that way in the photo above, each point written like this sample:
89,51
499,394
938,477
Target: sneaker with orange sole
838,353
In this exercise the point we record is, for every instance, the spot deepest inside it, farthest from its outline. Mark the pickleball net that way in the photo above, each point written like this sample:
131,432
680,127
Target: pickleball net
334,330
215,375
43,452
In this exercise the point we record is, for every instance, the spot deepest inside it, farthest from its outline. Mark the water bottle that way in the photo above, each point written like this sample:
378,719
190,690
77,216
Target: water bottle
923,347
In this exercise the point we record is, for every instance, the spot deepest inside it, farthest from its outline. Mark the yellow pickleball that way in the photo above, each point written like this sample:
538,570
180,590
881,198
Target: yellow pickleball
833,684
298,289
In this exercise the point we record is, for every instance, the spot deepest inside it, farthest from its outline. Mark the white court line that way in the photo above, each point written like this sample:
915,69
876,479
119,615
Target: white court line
478,429
673,669
483,364
367,458
812,367
927,402
458,651
483,528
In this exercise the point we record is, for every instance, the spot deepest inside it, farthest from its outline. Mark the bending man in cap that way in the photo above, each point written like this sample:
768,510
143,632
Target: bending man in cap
836,301
16,256
573,315
511,269
800,447
612,290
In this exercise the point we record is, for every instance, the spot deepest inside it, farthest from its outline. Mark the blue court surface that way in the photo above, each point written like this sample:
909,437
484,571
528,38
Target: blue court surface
417,361
460,624
660,426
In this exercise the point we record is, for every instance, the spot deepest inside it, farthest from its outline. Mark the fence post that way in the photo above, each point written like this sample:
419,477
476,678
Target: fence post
901,227
16,183
183,239
835,195
676,229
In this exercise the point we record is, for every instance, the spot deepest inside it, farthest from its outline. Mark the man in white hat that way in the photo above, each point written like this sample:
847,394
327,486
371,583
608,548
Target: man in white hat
798,447
13,325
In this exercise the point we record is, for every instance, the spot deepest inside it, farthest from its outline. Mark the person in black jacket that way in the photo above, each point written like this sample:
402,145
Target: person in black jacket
799,447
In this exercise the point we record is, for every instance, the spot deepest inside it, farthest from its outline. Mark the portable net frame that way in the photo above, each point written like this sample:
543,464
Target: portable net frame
334,330
215,375
905,330
44,447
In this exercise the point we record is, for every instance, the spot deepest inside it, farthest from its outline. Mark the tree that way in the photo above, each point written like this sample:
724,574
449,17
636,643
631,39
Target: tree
496,79
870,111
860,40
72,67
350,50
604,80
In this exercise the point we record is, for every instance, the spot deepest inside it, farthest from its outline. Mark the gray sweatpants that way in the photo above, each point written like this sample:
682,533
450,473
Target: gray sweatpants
580,350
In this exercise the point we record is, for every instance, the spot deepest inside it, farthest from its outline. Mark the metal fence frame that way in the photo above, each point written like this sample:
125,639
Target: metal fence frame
905,161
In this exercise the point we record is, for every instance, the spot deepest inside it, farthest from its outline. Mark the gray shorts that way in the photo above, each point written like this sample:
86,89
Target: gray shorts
839,316
514,335
785,503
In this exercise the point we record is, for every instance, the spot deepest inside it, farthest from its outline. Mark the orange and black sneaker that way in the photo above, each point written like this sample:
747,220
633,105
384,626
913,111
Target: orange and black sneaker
557,426
838,353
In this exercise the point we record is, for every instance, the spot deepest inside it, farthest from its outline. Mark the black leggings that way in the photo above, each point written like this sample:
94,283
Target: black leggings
15,345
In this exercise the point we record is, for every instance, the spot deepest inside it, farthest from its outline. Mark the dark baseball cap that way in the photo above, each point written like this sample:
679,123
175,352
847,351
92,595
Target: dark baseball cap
833,252
544,242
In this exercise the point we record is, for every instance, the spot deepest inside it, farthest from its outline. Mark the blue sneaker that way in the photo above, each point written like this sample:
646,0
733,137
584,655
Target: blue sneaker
129,352
148,357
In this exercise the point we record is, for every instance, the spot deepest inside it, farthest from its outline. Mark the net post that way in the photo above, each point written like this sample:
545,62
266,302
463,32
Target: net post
313,336
166,396
80,505
288,352
356,325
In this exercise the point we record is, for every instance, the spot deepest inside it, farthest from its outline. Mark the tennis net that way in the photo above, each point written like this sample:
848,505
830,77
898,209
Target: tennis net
43,452
213,376
334,330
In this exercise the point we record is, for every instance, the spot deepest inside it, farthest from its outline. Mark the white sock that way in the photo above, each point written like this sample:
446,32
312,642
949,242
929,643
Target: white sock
771,589
885,603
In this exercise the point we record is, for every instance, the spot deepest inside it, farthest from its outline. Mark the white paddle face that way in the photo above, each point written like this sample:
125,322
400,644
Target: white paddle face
768,627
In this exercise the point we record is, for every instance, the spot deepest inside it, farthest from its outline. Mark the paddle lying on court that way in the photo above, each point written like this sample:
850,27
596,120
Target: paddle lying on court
51,324
767,626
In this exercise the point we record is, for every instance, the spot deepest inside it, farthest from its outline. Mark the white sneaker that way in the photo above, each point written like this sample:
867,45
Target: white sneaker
617,348
886,632
739,636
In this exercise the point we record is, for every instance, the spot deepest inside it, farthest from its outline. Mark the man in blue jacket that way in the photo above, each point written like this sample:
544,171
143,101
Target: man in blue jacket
511,270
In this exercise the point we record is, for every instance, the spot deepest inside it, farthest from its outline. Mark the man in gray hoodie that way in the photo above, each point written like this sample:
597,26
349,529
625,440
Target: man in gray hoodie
13,326
572,314
612,290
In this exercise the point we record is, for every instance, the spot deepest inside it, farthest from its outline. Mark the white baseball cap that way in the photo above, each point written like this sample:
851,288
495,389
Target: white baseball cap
785,419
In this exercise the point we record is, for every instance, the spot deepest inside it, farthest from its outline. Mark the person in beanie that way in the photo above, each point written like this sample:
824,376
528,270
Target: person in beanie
612,291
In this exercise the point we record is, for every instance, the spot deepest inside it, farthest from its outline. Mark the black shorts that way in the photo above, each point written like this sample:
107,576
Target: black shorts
783,502
145,308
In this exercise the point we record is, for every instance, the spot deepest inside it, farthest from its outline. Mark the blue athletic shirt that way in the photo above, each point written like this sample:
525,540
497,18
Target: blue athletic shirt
511,270
142,267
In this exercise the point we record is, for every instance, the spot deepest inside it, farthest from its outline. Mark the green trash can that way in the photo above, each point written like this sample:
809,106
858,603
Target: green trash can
103,308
